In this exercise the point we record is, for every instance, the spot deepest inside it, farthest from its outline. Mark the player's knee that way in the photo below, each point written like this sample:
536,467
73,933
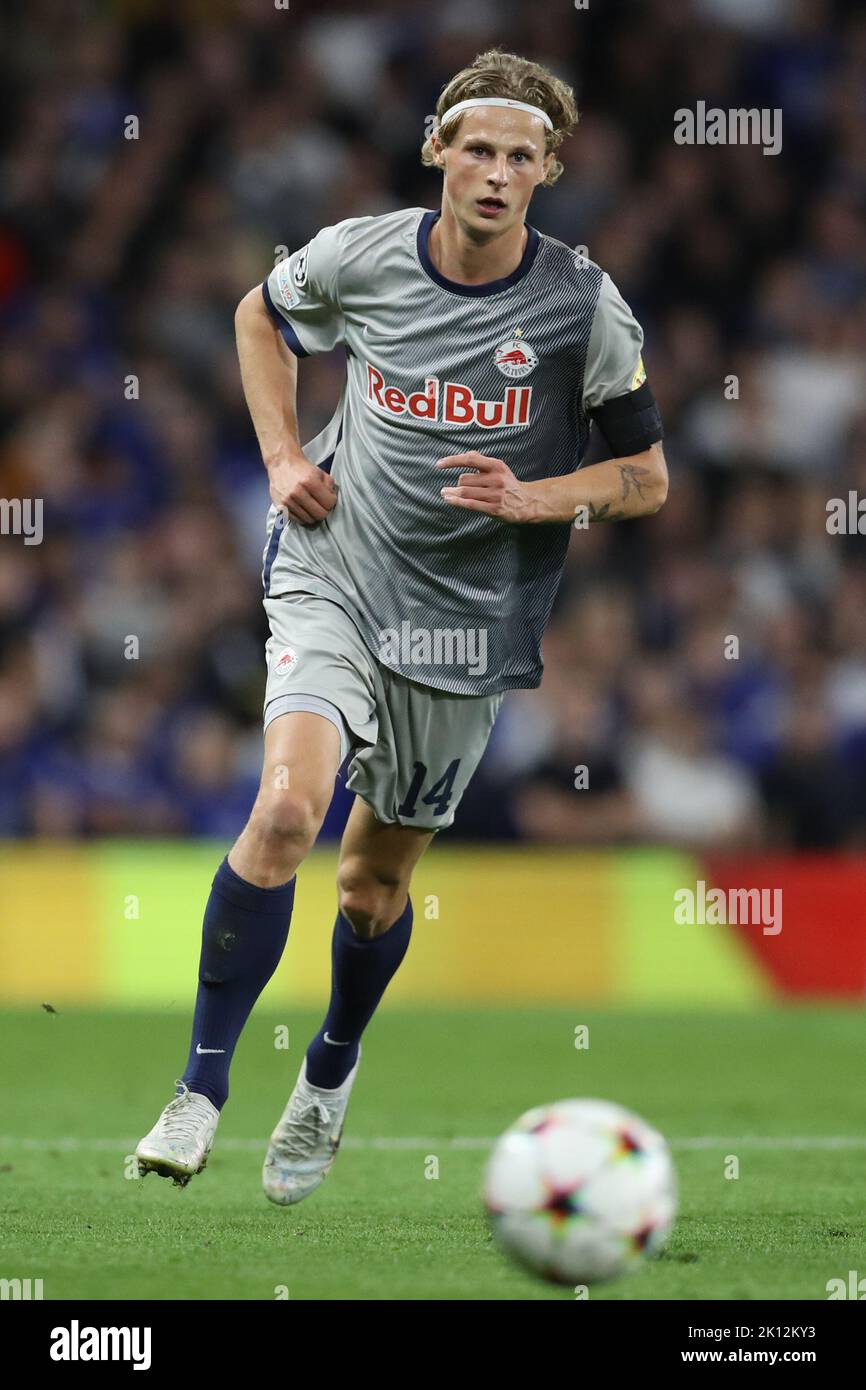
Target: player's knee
290,818
369,901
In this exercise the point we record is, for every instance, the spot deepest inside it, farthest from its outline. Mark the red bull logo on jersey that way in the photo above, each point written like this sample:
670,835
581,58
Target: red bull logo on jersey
449,402
515,357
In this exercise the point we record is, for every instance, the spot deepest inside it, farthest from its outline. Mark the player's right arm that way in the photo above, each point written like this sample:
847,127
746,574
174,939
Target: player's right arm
269,373
295,313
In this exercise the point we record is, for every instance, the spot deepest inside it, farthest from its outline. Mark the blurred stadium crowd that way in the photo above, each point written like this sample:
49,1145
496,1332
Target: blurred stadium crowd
122,261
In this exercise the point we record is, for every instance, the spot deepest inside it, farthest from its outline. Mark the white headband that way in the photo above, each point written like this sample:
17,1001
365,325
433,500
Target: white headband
496,101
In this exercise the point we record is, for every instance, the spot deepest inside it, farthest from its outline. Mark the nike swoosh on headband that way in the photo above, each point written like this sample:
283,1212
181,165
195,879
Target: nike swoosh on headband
507,102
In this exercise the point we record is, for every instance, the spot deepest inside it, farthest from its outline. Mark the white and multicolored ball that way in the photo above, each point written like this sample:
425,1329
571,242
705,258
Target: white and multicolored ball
580,1191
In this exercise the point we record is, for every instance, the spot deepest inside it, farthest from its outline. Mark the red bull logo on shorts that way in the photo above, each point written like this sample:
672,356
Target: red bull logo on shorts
285,661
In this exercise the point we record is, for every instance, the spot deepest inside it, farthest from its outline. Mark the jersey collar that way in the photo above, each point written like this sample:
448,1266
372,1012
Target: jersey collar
533,241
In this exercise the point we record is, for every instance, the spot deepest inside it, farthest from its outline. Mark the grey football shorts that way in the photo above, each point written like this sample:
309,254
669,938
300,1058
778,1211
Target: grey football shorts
415,748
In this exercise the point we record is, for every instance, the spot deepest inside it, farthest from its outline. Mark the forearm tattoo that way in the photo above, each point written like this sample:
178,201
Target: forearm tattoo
604,513
633,479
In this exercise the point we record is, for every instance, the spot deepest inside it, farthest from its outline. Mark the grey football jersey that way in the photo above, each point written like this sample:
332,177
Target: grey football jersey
448,597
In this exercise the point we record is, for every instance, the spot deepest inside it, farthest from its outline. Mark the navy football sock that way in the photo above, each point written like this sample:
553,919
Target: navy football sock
243,937
360,971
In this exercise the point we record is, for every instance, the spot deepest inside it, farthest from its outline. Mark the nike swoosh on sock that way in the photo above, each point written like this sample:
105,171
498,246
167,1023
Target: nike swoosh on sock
334,1042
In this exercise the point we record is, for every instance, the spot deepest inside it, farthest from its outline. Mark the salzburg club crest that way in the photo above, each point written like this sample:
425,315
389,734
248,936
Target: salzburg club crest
515,357
285,661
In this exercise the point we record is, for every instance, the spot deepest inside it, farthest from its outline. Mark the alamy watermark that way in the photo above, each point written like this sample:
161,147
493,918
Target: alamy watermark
854,1287
21,1289
77,1343
465,647
737,126
700,906
22,516
846,516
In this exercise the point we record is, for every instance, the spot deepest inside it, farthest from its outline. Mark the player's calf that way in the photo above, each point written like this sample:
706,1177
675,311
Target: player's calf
370,902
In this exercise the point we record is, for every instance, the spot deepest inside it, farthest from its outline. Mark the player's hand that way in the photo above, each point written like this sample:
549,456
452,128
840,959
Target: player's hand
301,489
492,488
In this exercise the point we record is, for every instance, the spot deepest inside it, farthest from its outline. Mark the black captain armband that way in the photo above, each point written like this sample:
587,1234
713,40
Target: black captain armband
630,423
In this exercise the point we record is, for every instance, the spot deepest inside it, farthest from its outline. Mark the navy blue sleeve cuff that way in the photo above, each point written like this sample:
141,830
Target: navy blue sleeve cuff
286,329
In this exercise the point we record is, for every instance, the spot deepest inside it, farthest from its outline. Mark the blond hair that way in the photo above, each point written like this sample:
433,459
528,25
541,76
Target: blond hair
498,74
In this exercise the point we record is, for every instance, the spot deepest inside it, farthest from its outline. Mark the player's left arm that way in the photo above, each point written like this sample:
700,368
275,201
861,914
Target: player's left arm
634,485
619,401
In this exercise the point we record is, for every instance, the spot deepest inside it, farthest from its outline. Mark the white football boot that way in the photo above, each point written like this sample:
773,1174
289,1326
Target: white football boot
182,1138
304,1144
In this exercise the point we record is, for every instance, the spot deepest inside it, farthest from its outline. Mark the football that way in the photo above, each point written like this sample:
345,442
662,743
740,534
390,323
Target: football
580,1191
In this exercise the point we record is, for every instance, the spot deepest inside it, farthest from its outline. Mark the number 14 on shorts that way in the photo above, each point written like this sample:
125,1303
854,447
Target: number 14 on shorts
439,795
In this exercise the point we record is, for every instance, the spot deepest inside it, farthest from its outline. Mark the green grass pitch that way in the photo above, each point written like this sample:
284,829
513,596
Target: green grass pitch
782,1090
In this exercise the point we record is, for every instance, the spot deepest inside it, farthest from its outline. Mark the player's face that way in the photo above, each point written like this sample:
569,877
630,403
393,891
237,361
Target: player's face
493,166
